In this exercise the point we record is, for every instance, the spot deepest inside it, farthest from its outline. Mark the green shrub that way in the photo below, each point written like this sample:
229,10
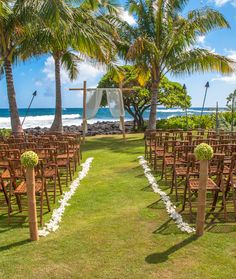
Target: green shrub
5,133
194,121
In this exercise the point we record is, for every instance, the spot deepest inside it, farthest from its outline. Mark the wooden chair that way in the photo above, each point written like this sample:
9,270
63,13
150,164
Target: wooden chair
21,188
180,166
230,185
63,160
4,186
48,156
192,183
168,157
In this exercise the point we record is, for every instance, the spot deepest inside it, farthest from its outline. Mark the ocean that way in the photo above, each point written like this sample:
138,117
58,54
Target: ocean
43,117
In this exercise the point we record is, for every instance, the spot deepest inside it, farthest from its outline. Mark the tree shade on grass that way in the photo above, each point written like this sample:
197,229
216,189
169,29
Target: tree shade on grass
116,227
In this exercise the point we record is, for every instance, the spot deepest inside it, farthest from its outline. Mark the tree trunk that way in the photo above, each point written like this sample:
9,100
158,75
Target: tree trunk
57,122
15,119
153,112
140,123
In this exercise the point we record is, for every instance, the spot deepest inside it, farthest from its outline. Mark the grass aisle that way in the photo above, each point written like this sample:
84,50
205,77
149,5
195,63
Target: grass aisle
115,228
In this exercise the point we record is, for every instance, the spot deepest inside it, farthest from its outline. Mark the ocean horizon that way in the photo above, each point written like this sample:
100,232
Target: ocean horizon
43,117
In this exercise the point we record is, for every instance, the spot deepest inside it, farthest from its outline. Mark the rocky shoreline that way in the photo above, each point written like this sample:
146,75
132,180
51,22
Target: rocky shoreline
98,128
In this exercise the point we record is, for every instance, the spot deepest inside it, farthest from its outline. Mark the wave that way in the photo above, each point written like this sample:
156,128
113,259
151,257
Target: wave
45,121
76,119
41,121
183,111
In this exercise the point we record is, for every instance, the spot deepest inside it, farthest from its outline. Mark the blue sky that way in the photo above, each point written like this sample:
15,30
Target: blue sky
39,74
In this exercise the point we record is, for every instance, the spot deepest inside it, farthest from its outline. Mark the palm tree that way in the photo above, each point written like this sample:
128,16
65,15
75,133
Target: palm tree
164,41
70,33
13,23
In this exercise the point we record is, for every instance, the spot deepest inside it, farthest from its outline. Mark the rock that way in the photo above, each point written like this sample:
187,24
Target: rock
98,128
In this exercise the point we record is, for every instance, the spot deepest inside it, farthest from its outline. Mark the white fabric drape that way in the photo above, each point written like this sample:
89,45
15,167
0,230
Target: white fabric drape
93,101
115,103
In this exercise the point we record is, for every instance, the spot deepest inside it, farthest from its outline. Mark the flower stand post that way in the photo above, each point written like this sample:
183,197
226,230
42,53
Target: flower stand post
203,153
29,160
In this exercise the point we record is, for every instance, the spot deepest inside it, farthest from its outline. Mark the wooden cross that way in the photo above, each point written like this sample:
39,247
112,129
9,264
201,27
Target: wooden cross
85,89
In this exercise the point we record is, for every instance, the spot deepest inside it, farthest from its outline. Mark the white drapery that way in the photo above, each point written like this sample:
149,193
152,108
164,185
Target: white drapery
115,103
93,101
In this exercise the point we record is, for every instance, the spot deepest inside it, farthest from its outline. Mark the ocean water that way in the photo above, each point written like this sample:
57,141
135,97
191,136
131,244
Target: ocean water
41,117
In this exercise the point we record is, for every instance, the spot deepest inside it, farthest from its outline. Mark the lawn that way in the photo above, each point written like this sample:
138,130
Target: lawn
116,227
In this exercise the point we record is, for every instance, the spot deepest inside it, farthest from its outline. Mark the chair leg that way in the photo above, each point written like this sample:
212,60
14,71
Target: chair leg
47,198
59,182
55,188
6,196
18,199
215,200
190,204
162,169
155,163
224,204
165,173
173,181
75,163
234,201
41,209
185,195
70,172
176,189
67,175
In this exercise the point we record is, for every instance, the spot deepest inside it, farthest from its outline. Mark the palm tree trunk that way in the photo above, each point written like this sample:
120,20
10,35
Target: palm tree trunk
57,123
15,119
153,112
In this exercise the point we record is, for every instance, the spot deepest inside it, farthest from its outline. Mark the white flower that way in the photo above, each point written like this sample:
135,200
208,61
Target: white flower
170,208
57,214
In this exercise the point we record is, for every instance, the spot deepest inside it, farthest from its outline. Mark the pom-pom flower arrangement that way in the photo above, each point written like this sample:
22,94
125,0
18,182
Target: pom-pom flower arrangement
29,159
203,152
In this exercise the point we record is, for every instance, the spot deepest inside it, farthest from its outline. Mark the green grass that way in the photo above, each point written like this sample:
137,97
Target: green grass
116,227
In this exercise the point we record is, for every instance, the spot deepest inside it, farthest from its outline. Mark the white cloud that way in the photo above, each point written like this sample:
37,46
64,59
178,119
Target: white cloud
221,3
230,78
87,71
201,39
38,83
201,43
127,17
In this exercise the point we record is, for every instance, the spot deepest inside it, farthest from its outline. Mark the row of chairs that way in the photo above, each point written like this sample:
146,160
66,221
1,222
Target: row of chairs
58,154
172,153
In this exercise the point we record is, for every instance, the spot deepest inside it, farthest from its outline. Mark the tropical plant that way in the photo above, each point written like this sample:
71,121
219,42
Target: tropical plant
14,20
194,122
71,33
164,41
137,101
230,100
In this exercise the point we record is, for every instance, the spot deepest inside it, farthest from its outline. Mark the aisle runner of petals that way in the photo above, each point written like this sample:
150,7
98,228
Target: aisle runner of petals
57,214
170,208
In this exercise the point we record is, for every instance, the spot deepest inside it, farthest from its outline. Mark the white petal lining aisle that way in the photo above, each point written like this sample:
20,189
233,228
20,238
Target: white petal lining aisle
170,208
57,214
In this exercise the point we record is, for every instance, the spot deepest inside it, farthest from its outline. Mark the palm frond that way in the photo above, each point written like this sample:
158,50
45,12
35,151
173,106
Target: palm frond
202,60
70,61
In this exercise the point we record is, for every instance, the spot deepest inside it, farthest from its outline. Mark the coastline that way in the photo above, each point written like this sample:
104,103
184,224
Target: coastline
98,128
